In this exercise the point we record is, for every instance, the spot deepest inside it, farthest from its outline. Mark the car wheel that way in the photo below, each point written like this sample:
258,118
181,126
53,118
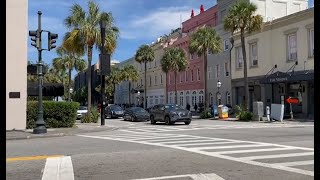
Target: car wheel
152,121
167,120
187,122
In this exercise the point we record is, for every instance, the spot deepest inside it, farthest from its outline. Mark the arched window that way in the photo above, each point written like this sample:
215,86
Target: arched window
194,98
218,98
201,97
181,98
210,98
187,98
170,99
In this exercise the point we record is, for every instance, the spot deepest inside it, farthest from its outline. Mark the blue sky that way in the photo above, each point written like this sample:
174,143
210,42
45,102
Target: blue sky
140,21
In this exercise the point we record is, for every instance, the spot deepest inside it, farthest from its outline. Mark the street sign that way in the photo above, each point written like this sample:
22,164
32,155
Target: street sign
292,100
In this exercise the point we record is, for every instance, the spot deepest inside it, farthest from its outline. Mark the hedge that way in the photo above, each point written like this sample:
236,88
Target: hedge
55,114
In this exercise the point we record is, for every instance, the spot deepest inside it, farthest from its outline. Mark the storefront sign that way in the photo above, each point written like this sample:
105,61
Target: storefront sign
275,80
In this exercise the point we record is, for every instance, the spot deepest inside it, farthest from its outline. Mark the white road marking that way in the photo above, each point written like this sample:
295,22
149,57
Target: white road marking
193,176
278,156
296,163
220,153
58,168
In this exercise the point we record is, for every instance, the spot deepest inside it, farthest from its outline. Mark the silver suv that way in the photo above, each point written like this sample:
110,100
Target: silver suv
170,114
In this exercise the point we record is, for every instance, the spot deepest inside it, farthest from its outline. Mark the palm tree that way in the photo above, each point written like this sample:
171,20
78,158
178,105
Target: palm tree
174,60
165,66
204,40
143,55
241,17
129,73
68,61
85,26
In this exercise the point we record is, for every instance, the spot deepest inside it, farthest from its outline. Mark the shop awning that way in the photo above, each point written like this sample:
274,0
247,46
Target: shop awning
281,77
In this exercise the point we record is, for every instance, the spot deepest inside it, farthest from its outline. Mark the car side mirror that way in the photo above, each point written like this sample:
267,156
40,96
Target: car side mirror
162,109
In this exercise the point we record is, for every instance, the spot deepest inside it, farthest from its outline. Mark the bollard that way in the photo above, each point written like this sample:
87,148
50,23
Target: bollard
268,113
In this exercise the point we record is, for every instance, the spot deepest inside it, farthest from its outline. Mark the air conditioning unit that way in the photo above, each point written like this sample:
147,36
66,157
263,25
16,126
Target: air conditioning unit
255,62
227,73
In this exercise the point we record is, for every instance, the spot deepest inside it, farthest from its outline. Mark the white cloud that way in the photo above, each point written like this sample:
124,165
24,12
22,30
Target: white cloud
48,23
156,23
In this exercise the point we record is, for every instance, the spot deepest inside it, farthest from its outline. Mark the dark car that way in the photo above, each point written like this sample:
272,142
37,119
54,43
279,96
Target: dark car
136,114
149,108
170,114
113,111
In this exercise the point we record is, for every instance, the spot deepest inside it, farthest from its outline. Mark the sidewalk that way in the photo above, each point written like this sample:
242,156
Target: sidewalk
58,132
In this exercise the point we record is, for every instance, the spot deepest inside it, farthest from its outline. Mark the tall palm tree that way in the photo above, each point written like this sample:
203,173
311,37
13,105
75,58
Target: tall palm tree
129,73
165,66
68,61
143,55
204,40
85,26
241,17
175,59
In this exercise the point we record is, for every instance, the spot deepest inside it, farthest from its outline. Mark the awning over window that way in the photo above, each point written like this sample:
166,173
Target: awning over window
280,77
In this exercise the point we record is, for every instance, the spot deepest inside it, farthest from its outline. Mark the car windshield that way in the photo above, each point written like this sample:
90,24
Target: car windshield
138,110
116,108
83,108
172,106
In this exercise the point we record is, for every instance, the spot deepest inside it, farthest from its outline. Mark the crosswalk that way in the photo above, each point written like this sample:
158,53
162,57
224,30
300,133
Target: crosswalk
255,153
164,128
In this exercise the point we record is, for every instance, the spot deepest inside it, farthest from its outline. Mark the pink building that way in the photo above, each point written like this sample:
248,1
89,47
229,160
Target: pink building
190,83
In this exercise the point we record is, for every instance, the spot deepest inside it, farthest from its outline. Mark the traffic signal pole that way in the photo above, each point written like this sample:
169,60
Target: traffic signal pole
36,38
40,124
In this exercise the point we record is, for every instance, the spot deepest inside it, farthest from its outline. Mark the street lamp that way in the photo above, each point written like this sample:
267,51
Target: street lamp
138,98
218,95
70,91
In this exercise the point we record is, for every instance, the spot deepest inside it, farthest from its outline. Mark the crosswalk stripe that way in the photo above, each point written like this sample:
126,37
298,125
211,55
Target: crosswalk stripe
173,140
255,150
205,143
278,156
228,147
204,140
58,168
296,163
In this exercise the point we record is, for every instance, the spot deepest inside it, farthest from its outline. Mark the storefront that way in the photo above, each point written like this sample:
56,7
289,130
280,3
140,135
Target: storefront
300,84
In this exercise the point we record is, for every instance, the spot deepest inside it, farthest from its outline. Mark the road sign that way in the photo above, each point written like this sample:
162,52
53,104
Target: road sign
292,100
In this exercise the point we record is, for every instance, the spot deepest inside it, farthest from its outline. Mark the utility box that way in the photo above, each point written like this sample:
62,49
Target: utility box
258,110
223,111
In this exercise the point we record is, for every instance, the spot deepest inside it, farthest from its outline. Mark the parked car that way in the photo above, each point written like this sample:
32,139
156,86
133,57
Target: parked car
83,110
170,114
149,108
136,114
113,111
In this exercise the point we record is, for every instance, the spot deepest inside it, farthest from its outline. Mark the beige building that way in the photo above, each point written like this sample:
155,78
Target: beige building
16,63
280,63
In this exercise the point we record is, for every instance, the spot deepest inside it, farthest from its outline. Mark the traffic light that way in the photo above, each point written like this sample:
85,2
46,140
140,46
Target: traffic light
51,40
33,35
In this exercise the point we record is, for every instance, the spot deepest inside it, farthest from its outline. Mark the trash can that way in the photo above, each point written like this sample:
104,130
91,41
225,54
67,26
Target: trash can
223,111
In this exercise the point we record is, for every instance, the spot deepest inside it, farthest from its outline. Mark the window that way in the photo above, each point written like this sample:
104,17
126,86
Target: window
292,47
149,80
226,45
186,75
187,98
223,14
169,80
254,54
150,64
155,80
155,63
226,69
217,71
194,98
170,99
209,72
180,77
192,75
160,78
198,74
239,57
181,99
201,97
191,56
311,42
228,98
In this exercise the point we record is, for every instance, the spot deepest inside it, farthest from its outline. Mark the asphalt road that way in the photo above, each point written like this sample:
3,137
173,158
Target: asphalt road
137,150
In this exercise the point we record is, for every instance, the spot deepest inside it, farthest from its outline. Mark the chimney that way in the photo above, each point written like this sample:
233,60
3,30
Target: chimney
201,9
192,14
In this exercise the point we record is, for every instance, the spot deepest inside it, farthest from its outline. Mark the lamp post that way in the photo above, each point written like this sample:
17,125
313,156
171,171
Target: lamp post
102,59
138,98
218,95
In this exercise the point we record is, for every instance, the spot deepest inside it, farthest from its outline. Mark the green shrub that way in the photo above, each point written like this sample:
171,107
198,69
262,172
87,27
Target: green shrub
243,115
206,114
93,118
55,114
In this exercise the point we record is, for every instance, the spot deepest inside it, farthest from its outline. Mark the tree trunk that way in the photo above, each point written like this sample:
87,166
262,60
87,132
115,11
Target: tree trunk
245,73
206,102
166,88
175,88
145,85
114,92
69,87
89,78
129,95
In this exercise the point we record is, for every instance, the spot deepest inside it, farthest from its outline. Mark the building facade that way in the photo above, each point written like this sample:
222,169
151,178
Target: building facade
16,64
280,63
190,83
